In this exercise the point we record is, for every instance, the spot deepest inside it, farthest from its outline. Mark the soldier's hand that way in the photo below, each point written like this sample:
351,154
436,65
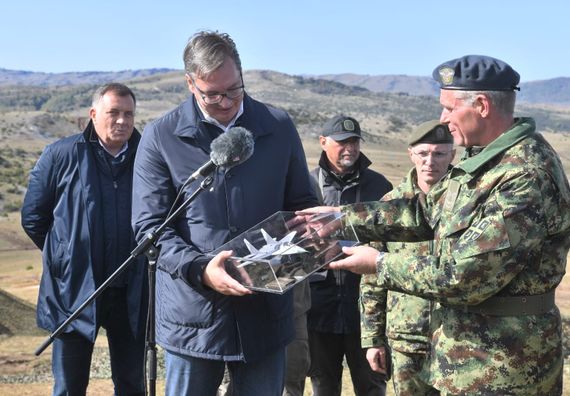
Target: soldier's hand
216,277
317,210
321,221
377,359
360,260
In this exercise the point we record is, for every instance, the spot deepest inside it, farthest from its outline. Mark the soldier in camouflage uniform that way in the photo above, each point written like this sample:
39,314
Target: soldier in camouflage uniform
407,323
500,221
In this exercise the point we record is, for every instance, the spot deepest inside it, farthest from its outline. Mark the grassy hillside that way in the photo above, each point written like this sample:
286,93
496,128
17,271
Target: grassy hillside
33,116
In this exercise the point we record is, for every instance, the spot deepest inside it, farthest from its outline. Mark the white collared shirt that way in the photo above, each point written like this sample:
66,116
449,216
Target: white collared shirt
212,120
121,151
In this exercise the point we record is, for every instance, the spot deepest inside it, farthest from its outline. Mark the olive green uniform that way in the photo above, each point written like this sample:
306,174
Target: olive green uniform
500,222
407,316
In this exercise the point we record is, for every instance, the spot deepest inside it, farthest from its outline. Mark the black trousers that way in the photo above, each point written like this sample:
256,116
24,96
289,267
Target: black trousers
327,354
71,353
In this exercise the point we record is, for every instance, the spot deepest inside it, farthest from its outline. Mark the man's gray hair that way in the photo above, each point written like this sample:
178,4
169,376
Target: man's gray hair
206,51
117,88
504,101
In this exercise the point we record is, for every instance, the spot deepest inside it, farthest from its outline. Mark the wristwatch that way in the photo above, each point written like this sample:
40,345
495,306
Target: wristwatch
380,262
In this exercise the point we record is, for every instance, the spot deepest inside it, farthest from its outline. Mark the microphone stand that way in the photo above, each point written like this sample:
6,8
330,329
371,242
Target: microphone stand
147,247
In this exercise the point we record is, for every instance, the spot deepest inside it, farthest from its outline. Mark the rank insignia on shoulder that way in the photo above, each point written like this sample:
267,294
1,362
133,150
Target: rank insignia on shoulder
451,195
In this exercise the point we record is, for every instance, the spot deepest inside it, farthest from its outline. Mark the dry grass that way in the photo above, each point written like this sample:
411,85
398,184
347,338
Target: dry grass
20,272
16,353
97,387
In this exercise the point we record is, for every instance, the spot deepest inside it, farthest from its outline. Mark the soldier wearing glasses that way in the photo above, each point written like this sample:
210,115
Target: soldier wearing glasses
205,318
405,319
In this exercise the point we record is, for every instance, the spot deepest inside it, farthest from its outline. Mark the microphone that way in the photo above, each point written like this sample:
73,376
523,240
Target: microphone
231,148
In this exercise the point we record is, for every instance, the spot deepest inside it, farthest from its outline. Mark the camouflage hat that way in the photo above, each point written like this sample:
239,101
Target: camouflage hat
476,73
341,128
432,132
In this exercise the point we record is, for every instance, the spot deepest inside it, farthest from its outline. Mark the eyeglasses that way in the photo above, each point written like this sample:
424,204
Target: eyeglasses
436,155
215,98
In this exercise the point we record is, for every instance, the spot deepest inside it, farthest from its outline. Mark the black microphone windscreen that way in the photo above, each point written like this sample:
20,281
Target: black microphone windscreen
232,147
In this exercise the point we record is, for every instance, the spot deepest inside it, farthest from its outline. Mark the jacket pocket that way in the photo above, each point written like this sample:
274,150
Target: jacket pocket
180,304
482,235
58,260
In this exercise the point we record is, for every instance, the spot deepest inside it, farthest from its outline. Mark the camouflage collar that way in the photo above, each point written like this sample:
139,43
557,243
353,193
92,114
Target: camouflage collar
472,152
522,128
413,178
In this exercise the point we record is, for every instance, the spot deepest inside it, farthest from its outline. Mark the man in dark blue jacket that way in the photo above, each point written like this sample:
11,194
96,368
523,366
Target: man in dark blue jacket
206,318
343,176
77,209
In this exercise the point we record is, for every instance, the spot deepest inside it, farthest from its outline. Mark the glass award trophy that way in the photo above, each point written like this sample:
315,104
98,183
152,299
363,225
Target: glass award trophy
280,252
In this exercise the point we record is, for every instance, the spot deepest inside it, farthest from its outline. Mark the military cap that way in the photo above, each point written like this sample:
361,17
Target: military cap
432,132
476,73
342,127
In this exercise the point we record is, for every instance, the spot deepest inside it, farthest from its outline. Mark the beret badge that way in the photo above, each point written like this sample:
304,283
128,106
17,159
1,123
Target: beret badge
440,133
446,74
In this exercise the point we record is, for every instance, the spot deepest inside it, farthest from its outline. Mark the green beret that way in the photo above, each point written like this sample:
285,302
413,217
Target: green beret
476,73
432,132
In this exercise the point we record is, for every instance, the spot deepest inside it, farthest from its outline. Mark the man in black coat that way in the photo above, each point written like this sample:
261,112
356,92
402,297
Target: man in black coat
77,209
342,177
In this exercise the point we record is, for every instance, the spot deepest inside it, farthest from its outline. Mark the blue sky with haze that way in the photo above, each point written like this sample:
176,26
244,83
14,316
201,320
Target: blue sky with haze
290,36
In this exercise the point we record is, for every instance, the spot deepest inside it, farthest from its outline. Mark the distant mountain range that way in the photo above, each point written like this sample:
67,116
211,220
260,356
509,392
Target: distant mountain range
553,91
19,77
411,85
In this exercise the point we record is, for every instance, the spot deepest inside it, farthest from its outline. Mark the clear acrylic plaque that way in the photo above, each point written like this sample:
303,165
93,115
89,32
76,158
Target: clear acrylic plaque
279,252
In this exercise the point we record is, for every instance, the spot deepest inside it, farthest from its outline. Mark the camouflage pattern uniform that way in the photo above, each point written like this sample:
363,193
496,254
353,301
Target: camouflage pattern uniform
500,221
407,317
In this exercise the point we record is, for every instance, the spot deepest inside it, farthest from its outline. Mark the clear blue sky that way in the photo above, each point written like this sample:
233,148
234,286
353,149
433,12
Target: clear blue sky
291,36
